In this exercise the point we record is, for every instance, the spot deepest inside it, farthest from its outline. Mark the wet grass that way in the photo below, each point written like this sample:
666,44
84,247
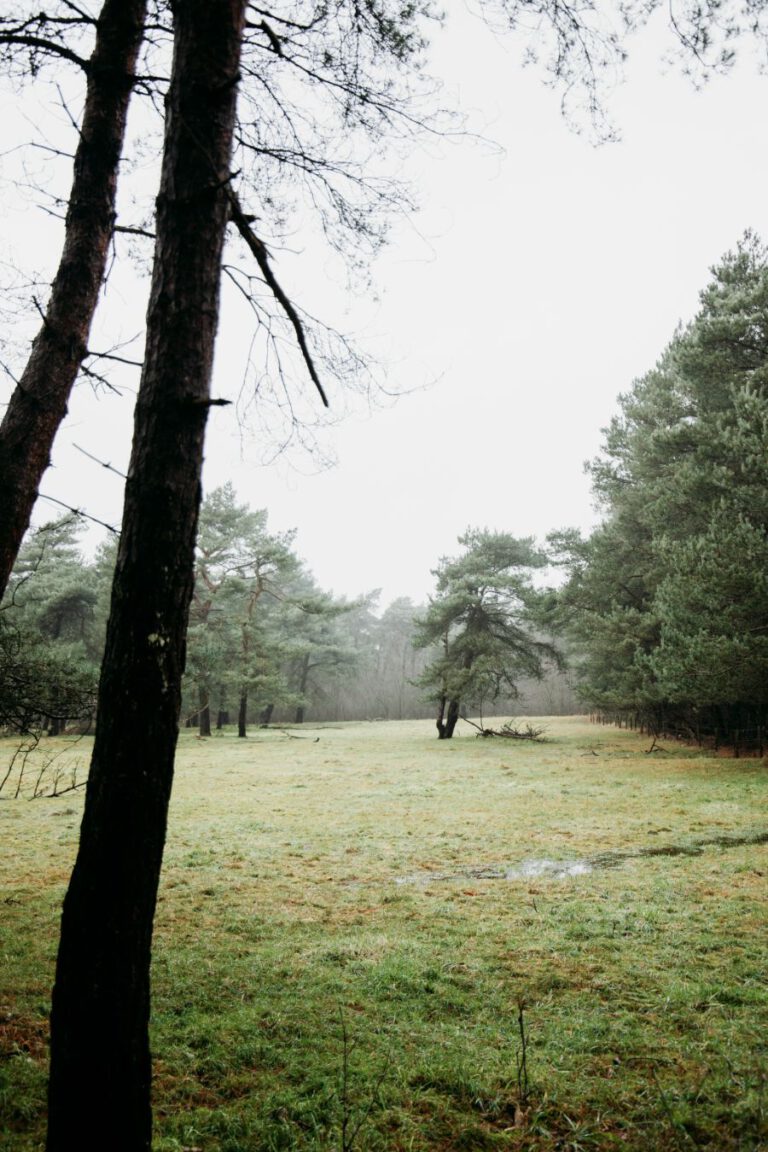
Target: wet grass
351,930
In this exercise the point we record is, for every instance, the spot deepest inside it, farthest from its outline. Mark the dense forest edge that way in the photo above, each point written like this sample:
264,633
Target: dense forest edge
667,601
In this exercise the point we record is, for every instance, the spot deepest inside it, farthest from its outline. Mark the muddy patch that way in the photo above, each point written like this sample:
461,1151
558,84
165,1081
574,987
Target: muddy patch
534,869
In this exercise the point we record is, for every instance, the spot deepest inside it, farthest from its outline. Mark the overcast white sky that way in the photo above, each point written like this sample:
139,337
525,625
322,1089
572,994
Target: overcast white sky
538,282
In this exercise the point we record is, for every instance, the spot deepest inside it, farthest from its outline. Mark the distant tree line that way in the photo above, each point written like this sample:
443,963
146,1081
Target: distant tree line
664,608
265,643
666,602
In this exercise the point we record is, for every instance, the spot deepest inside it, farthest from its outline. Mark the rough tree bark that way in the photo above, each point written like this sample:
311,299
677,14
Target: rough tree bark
39,402
447,720
99,1093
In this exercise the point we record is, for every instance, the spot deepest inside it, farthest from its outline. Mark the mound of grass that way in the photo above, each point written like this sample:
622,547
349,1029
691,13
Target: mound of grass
359,938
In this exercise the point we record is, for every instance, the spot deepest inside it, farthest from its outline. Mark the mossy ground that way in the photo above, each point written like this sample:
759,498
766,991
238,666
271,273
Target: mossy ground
365,880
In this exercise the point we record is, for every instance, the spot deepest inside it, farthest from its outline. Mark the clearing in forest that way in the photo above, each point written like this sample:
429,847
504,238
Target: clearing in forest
371,939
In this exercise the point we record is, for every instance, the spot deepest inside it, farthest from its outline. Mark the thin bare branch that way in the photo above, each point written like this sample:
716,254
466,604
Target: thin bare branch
79,513
127,230
47,47
103,463
260,254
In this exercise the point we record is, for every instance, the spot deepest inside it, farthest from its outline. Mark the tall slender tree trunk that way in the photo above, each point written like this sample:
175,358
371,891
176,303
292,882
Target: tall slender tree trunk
245,648
204,713
303,683
222,715
39,402
99,1096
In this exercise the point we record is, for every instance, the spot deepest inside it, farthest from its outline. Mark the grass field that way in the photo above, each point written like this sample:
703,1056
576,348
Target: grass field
371,939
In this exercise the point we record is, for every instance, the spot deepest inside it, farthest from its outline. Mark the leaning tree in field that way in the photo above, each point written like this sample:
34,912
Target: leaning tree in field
483,617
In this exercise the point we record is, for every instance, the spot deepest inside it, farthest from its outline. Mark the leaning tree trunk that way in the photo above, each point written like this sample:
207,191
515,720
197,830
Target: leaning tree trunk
39,402
452,718
99,1096
447,720
447,717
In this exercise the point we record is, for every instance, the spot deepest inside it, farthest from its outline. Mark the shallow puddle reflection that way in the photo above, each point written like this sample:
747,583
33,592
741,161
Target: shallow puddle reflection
564,869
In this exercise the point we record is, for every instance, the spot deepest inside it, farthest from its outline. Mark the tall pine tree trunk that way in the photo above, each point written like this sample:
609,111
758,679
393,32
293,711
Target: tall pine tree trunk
303,685
222,715
242,714
39,402
204,712
99,1095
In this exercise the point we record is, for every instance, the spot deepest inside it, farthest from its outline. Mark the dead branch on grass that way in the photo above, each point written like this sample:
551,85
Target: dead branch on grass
510,731
51,779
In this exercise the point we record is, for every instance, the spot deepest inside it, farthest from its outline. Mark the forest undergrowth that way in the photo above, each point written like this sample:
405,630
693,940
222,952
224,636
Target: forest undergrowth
371,939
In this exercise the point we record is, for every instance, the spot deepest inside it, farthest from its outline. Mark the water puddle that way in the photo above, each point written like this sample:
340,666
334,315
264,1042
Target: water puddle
533,869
